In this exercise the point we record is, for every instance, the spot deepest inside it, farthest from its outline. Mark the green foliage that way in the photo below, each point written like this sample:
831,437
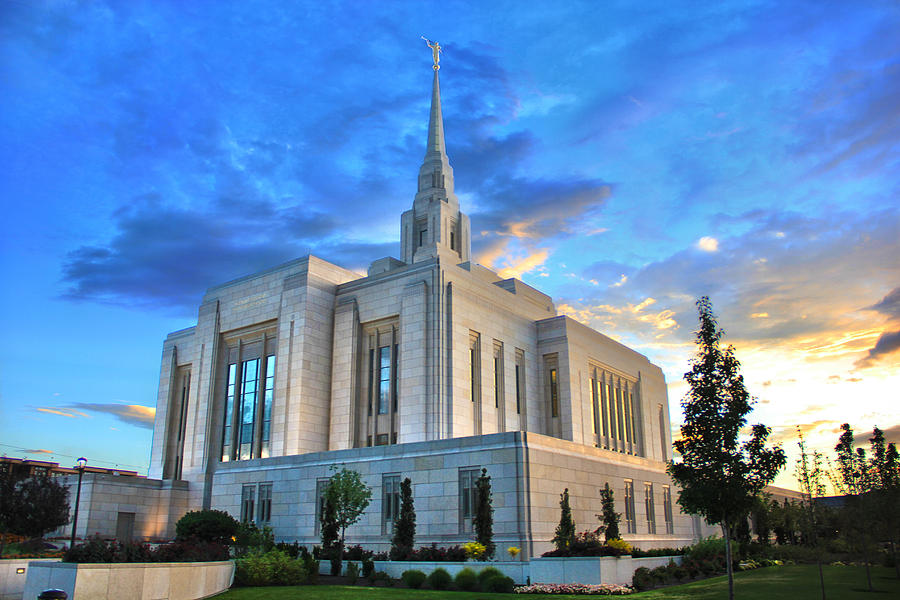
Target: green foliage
207,525
498,584
352,573
405,527
466,580
413,578
486,573
31,506
484,514
368,567
718,477
707,548
249,537
641,579
608,515
346,499
565,531
270,568
330,531
439,579
98,550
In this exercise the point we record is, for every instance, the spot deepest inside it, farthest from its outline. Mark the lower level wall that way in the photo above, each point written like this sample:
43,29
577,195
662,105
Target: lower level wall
12,581
159,581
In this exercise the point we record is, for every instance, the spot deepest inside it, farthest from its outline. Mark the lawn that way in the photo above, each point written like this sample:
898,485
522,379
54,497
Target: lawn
799,582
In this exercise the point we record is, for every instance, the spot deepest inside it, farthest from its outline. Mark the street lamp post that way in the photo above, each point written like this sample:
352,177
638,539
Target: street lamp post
81,464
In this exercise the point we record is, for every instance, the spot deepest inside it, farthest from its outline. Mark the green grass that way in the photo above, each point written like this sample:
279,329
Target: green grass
798,582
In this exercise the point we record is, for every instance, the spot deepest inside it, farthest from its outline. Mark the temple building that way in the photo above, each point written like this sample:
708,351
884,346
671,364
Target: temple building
431,367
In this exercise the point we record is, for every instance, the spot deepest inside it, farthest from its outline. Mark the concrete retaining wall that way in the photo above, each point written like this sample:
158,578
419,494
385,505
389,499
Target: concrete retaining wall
593,569
12,583
137,581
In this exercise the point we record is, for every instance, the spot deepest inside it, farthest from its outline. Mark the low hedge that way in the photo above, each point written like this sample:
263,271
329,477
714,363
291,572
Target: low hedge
97,550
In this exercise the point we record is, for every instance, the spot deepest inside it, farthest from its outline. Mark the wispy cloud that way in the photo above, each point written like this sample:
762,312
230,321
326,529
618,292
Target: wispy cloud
133,414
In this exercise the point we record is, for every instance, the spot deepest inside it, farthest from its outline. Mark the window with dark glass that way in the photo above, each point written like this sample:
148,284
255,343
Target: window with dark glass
265,503
650,508
554,394
630,522
390,502
320,503
667,509
247,497
249,394
475,379
467,478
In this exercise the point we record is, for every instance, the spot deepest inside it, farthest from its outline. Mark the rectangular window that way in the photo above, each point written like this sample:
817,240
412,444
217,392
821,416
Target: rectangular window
630,523
650,508
250,370
423,233
604,410
268,395
247,496
498,374
229,412
320,503
265,502
520,381
390,502
594,400
371,379
475,379
381,439
395,376
384,379
663,446
667,509
453,240
467,479
554,394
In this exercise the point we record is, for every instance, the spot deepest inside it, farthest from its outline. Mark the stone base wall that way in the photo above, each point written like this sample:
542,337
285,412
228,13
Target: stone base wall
12,583
137,581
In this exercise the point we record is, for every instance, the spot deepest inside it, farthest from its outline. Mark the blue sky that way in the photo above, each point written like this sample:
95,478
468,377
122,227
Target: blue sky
625,158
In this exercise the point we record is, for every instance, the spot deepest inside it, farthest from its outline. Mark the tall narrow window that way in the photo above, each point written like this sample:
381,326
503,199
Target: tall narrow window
229,412
390,502
498,374
630,523
395,376
384,379
453,240
475,379
667,509
650,508
265,502
467,479
594,401
371,379
268,394
604,410
423,234
663,438
520,381
554,394
247,496
247,418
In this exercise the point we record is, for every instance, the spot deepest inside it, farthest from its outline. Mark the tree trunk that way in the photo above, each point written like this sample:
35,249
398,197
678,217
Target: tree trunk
821,575
728,567
868,570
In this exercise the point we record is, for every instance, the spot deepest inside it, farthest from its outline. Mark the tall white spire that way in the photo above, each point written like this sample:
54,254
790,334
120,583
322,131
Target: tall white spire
435,225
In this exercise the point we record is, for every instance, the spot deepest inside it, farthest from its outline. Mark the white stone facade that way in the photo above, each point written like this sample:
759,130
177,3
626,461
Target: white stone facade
431,367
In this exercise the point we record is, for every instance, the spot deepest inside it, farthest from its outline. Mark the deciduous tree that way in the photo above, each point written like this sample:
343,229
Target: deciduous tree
720,477
348,497
31,506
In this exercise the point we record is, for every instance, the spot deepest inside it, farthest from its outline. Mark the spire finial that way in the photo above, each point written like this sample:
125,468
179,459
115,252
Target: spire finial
435,52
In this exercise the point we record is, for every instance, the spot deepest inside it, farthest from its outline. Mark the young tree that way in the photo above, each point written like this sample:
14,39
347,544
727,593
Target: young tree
885,468
609,516
31,506
810,477
718,476
329,528
405,527
349,497
565,531
484,514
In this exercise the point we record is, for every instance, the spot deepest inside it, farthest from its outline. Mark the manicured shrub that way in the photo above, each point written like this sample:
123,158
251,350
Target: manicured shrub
352,573
439,579
659,575
498,584
466,580
413,578
368,567
207,525
641,579
707,548
486,573
381,576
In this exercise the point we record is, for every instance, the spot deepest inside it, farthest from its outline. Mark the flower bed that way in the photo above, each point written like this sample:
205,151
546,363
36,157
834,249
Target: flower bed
604,589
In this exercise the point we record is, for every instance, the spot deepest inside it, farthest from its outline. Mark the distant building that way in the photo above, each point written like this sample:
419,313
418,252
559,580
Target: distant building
430,367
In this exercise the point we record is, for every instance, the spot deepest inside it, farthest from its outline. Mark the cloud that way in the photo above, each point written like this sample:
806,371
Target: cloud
133,414
63,412
40,451
889,341
708,244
